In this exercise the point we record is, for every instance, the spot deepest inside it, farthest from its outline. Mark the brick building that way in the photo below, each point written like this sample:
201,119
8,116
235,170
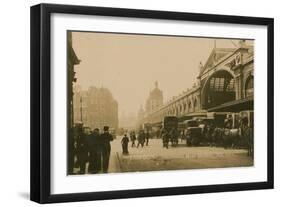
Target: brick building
95,107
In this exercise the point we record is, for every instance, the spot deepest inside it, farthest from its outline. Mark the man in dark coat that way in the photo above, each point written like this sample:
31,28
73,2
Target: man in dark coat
133,138
247,135
95,152
147,136
141,138
71,151
124,142
105,139
82,150
165,138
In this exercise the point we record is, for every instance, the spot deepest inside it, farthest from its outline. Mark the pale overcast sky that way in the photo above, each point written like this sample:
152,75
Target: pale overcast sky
129,65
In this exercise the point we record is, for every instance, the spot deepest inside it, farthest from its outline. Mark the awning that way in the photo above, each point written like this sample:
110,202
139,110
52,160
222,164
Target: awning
235,106
202,113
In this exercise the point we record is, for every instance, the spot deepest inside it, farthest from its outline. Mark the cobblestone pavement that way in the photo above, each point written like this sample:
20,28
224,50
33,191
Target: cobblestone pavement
155,157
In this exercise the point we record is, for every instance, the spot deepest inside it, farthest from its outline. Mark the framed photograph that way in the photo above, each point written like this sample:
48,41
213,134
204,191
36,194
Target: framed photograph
132,103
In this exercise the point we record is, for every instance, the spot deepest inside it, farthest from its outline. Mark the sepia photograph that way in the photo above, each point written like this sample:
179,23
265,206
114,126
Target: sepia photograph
150,102
129,103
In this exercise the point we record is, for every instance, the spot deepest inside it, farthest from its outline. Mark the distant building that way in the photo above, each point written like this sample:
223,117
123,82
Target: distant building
155,100
96,108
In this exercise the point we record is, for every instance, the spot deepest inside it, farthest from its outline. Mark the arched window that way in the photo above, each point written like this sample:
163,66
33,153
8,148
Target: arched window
189,106
195,104
184,107
219,89
249,87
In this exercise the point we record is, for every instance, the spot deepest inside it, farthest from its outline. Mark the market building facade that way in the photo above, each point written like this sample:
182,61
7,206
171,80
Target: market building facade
225,84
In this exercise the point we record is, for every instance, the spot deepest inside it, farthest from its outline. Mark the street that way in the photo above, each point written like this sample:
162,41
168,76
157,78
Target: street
154,157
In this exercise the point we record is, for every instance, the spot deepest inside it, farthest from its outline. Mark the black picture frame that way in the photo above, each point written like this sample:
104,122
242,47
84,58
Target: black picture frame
41,96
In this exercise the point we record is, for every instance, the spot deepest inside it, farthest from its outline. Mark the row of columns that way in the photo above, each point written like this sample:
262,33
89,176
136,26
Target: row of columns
175,110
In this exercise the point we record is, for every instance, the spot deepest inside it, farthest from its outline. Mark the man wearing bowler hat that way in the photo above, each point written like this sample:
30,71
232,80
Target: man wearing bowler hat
105,138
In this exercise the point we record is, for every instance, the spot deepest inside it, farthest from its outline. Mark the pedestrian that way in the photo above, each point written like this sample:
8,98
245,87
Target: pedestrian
133,138
105,139
165,138
174,136
124,142
82,150
147,136
94,152
141,138
247,135
71,152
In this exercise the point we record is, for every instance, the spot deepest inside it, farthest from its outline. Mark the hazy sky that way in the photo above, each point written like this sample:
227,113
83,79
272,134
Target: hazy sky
129,65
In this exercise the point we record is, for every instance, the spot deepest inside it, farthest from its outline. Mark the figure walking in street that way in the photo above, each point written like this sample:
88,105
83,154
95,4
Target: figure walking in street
141,138
165,138
147,136
174,137
105,139
133,138
124,142
94,152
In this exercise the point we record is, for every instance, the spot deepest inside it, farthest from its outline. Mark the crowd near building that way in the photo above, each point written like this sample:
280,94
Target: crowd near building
95,108
224,83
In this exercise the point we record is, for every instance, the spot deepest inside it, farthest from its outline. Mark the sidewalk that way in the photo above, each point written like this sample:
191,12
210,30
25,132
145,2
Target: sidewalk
114,164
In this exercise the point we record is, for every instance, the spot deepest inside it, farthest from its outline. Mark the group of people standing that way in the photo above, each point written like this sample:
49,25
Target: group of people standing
169,135
142,138
93,148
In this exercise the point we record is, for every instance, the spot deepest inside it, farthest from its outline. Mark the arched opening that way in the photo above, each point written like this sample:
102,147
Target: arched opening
195,104
249,86
189,107
184,107
219,89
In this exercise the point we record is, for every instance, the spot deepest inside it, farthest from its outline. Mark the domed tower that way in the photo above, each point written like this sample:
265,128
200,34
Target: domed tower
155,99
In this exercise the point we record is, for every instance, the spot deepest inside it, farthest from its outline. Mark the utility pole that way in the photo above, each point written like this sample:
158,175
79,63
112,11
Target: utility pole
81,113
